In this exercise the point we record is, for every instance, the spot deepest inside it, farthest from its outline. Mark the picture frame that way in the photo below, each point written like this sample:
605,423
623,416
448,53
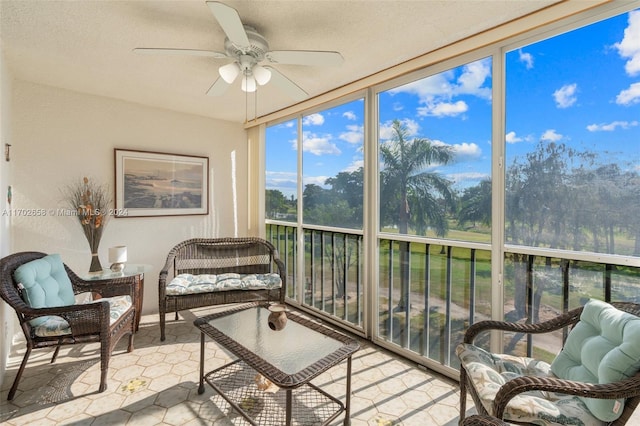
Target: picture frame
151,183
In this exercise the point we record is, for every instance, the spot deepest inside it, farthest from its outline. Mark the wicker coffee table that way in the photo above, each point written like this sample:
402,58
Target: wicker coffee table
288,358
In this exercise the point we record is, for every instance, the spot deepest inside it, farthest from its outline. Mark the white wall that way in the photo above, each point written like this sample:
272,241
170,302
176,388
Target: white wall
7,316
61,136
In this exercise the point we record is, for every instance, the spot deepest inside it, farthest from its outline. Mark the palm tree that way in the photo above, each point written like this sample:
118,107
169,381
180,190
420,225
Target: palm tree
410,195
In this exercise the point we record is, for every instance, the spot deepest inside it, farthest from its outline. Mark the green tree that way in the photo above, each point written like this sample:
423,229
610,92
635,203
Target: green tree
411,196
349,187
275,203
475,204
314,196
537,211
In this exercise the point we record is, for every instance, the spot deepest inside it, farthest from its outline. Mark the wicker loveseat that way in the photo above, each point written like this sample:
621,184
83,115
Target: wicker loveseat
213,271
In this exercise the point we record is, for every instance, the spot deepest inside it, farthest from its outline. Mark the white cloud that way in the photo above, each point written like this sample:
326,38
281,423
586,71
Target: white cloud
512,138
313,120
473,77
468,177
280,176
349,115
430,87
355,165
437,91
630,96
316,180
353,135
629,47
566,95
610,127
319,145
526,58
386,131
283,181
551,136
465,151
443,109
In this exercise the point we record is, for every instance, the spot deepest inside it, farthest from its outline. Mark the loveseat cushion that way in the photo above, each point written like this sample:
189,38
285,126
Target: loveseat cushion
603,347
45,284
206,283
57,326
488,372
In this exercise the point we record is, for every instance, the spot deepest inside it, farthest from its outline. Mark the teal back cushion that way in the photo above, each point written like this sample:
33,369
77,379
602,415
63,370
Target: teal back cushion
603,347
45,284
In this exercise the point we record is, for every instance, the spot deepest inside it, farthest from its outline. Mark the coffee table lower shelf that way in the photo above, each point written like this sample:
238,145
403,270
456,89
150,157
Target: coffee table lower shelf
236,383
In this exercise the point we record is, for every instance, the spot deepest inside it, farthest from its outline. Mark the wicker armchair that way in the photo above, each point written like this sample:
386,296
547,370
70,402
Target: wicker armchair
244,255
89,322
627,388
483,420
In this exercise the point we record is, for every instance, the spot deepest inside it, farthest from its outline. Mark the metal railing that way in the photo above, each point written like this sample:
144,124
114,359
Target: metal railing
428,294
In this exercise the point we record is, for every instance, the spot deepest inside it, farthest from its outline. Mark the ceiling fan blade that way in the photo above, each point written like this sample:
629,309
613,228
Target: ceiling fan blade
305,57
229,20
293,90
170,51
218,87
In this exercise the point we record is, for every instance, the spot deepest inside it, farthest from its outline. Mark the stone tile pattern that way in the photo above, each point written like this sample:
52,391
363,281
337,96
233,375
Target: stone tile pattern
157,384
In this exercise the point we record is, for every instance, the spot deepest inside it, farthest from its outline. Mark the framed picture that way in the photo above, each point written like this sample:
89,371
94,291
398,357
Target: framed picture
159,184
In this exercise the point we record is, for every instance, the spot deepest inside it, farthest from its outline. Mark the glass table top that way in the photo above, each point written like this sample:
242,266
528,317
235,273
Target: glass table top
290,350
130,269
296,351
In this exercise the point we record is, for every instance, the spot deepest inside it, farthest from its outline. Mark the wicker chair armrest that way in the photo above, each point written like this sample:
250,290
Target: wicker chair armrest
93,319
86,318
31,313
281,272
164,272
163,275
621,389
561,321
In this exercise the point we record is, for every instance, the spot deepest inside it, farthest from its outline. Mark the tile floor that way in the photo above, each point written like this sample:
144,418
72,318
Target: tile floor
157,384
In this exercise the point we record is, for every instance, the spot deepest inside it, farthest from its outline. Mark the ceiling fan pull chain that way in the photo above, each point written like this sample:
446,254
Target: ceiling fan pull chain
246,104
255,107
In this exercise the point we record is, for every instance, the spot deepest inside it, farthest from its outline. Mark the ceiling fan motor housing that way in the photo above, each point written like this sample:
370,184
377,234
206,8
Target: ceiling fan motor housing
258,46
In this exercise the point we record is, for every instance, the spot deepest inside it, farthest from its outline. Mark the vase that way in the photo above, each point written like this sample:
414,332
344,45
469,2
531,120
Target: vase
95,263
278,317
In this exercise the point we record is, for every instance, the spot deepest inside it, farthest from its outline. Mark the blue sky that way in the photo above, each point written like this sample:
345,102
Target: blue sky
581,88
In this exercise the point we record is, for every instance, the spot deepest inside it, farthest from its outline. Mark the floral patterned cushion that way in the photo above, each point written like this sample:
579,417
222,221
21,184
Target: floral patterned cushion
489,371
206,283
57,326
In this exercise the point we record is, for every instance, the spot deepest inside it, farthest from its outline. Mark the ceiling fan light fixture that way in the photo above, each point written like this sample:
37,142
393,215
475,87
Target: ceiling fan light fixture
261,74
248,83
229,72
247,48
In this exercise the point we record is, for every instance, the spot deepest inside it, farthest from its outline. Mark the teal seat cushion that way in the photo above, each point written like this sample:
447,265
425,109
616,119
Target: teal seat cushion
45,284
603,347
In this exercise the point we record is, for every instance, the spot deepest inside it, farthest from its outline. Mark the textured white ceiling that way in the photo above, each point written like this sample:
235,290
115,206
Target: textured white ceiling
86,45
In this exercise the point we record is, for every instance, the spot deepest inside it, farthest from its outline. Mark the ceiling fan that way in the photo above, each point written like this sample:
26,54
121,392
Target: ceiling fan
249,49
